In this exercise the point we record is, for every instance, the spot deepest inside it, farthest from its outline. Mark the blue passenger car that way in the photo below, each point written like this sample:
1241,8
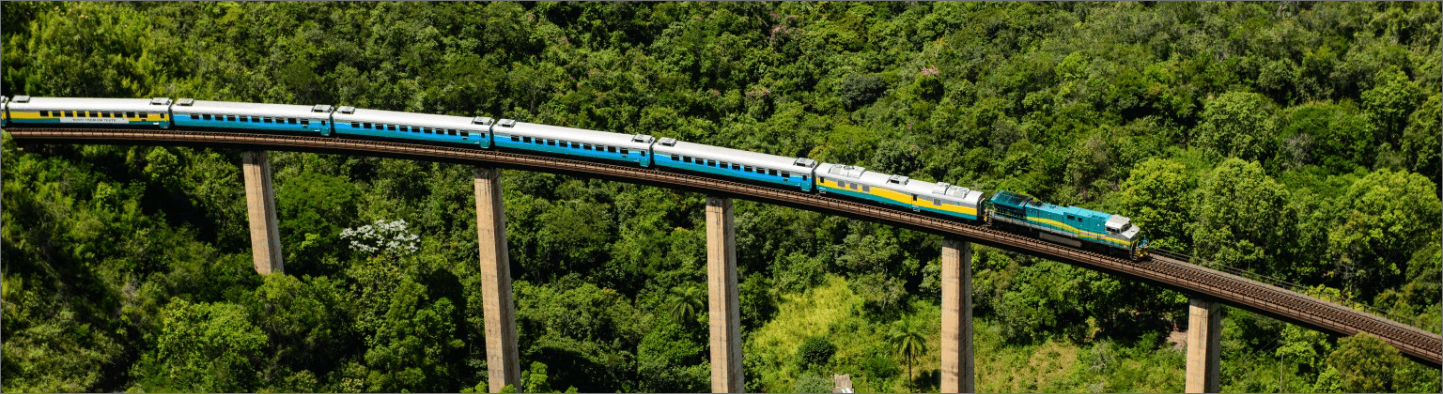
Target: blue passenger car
579,143
456,130
223,115
736,164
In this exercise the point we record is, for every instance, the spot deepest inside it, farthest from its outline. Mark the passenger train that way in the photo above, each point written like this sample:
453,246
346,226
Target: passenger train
1073,226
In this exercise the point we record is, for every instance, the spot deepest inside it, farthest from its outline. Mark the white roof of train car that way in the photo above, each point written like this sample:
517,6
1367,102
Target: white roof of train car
729,155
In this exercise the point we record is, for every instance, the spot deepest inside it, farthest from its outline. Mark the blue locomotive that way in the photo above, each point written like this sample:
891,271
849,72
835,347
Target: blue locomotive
1077,227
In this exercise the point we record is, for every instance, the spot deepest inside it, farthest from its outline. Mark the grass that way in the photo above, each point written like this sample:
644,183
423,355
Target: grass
833,310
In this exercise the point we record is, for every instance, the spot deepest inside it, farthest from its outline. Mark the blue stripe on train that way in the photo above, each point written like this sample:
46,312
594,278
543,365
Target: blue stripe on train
634,156
667,161
291,128
481,139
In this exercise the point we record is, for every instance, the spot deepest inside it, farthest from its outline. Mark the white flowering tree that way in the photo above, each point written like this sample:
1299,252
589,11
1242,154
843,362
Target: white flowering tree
382,236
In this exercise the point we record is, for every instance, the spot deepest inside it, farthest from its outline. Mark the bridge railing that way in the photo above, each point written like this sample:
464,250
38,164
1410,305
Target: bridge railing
1298,288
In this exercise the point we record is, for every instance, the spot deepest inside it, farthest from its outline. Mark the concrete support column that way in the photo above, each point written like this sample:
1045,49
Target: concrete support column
499,313
261,208
1204,329
957,364
721,278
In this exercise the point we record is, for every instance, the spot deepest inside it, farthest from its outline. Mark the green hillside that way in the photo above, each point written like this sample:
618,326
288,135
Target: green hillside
1295,140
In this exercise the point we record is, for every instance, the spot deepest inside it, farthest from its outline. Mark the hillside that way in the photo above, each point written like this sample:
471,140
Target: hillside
1296,140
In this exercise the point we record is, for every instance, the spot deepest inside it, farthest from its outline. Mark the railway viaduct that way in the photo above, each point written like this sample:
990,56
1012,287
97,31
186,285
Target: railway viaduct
1209,289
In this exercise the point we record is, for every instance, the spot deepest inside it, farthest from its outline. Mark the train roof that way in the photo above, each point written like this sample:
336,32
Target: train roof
783,163
353,114
104,104
1018,201
508,127
237,108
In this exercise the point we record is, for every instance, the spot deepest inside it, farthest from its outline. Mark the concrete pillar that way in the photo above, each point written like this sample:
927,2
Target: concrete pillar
499,313
957,364
1204,329
721,278
261,208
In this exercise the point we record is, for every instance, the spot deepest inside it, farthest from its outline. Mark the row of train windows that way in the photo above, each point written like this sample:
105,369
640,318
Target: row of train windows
868,189
256,119
574,145
411,129
732,166
96,114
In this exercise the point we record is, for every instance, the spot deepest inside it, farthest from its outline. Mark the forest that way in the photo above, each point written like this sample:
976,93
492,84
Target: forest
1296,140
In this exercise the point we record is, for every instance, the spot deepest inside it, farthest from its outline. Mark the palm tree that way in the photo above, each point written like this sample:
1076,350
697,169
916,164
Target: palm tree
685,302
907,338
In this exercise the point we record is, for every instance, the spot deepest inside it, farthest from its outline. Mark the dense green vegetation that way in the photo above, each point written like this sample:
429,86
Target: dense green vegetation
1296,140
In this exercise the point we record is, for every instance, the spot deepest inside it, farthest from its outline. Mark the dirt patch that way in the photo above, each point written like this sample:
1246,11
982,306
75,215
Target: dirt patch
1178,339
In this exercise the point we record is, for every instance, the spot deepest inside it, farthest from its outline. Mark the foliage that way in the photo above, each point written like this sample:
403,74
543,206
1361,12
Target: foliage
815,352
1365,364
813,383
1298,140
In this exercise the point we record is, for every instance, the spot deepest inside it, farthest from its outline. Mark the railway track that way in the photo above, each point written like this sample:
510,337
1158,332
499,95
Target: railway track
1165,271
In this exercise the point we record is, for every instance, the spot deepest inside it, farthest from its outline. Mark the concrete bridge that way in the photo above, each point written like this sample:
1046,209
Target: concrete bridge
1209,289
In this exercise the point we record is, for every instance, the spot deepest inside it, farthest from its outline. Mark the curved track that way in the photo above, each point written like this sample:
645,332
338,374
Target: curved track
1236,291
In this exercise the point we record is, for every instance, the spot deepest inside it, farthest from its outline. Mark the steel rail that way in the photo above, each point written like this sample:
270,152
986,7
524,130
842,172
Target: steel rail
1231,289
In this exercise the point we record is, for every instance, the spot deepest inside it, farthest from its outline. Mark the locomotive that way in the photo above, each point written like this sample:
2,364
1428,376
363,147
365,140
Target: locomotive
1072,226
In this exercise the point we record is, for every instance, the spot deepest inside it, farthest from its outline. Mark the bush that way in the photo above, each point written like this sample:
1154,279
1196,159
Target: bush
815,352
813,383
861,89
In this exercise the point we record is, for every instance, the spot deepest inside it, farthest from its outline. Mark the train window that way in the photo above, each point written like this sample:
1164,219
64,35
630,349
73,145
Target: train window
305,123
551,142
611,149
515,138
390,127
866,189
786,174
625,152
230,118
355,125
526,139
291,121
205,117
130,114
45,113
465,134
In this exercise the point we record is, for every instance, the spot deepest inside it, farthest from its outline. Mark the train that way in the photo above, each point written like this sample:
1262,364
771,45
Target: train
1073,226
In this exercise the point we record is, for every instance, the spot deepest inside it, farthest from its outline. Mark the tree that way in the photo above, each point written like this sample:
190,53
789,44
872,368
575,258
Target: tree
1237,124
815,352
1421,140
1366,364
203,347
1383,218
686,303
1390,101
1242,216
907,338
1157,197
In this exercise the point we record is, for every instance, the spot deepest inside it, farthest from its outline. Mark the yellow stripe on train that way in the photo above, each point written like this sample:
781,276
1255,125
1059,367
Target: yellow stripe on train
904,198
1075,231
